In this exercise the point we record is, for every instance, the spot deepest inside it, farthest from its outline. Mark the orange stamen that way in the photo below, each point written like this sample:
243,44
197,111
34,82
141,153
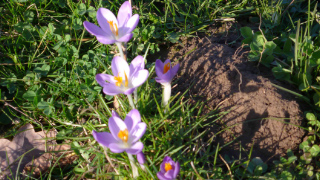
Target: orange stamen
119,80
113,28
123,135
126,80
166,68
167,167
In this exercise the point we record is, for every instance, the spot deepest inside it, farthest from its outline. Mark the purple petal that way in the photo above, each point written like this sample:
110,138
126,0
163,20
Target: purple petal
111,89
125,38
169,174
139,78
114,113
174,70
176,169
103,16
124,13
106,40
136,64
119,66
131,24
138,132
167,76
102,78
162,177
163,78
162,81
166,62
135,148
132,119
103,138
166,159
116,148
141,158
115,125
94,29
162,165
159,67
129,91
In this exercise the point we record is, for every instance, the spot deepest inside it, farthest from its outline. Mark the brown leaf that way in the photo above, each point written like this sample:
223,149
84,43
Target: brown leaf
47,160
25,146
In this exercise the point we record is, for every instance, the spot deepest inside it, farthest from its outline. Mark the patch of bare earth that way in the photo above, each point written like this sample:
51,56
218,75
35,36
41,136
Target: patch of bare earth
260,115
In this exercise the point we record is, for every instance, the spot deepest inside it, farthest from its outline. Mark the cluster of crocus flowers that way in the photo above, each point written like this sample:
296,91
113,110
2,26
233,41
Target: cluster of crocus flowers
165,73
124,135
125,78
113,29
169,169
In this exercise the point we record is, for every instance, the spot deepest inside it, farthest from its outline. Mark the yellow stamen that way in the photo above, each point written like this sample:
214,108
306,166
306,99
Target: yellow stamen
166,68
123,135
126,80
167,167
118,79
113,27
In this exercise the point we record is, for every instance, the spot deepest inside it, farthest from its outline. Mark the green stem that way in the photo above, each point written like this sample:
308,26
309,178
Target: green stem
135,93
134,168
120,49
131,101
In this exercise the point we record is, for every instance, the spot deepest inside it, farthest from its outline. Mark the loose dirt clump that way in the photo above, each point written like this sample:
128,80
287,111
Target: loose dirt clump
259,115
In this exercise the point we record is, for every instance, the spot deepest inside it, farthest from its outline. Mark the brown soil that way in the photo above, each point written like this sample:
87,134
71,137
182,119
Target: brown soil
260,115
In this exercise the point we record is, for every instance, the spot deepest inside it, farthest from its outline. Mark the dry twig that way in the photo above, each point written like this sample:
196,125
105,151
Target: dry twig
226,165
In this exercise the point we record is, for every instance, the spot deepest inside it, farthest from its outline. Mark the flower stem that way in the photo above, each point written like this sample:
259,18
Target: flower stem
166,94
134,168
120,50
135,93
131,101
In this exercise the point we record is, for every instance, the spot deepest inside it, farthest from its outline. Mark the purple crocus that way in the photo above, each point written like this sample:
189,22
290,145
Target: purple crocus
168,169
113,29
124,135
165,72
125,78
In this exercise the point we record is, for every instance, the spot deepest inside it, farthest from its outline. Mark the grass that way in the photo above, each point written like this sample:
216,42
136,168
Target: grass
47,76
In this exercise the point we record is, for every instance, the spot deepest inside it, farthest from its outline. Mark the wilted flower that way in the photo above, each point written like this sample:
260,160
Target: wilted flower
141,158
125,79
168,169
113,29
165,72
124,135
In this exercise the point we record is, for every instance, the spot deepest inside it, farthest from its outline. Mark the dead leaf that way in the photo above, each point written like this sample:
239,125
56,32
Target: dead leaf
26,146
47,160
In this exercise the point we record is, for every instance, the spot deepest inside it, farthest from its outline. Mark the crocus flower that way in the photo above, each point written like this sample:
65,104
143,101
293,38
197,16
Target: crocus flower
113,29
124,135
168,169
125,78
165,71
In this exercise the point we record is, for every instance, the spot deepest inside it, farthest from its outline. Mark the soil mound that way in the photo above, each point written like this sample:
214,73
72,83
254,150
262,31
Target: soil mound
259,115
